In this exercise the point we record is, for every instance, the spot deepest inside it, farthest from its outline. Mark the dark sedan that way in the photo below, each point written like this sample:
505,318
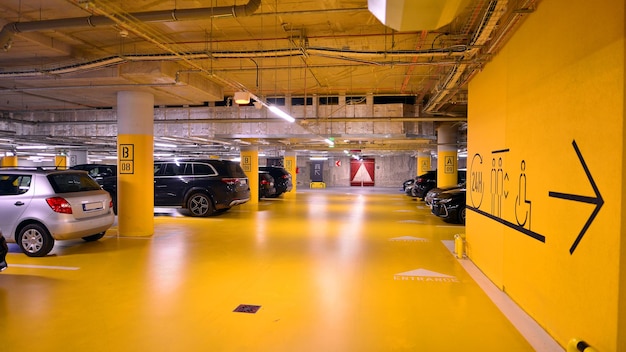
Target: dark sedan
282,179
266,185
450,206
436,192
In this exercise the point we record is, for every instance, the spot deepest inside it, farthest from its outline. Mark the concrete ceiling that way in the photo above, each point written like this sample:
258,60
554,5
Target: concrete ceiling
193,54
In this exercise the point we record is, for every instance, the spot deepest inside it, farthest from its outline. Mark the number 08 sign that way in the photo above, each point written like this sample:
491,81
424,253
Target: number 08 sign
126,158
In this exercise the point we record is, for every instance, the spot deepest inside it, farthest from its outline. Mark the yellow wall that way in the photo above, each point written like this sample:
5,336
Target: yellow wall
558,81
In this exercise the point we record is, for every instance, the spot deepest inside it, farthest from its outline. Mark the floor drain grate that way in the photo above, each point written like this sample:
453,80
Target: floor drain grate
247,308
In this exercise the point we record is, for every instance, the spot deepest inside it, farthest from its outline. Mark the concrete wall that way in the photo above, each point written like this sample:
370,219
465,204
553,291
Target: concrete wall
390,171
546,194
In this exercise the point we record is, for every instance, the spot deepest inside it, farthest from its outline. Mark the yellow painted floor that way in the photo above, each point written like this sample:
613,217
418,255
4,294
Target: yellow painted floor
332,269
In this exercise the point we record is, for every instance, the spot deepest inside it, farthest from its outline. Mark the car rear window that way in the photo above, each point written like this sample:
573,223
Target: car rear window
233,169
72,182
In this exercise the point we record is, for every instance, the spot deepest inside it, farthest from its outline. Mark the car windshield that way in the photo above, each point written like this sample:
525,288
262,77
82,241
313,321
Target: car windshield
72,182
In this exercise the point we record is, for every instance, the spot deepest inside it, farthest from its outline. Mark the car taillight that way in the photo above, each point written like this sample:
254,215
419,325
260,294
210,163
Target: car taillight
111,204
264,182
285,176
59,205
230,181
419,179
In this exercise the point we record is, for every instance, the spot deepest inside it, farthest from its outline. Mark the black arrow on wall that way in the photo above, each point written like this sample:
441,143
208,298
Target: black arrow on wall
597,200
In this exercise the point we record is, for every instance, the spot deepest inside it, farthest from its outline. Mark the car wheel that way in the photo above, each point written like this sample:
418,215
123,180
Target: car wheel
461,215
35,241
199,204
95,237
413,192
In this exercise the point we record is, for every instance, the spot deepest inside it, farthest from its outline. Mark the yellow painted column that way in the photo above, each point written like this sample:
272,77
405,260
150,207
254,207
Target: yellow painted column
423,163
60,161
250,165
135,163
291,166
9,161
447,163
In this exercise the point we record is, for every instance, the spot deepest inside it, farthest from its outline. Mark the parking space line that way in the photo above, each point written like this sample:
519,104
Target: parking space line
51,267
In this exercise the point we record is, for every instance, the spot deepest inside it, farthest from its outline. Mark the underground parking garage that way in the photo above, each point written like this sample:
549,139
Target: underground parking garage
533,111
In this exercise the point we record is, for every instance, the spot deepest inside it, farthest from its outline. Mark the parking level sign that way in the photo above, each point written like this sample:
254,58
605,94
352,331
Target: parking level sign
127,158
449,167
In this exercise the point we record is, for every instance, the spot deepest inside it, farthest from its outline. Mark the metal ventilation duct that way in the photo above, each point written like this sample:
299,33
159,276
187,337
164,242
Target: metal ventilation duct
10,29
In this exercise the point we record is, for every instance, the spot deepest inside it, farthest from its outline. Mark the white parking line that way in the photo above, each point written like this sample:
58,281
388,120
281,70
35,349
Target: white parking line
43,267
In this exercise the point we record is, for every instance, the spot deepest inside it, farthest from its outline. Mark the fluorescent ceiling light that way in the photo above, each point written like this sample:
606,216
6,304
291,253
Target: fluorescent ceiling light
242,98
318,158
31,147
281,113
165,145
330,143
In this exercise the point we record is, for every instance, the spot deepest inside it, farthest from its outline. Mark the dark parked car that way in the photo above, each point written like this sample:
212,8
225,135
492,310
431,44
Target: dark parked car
422,184
425,182
282,179
435,192
97,171
266,185
105,175
450,205
41,206
407,183
4,249
203,187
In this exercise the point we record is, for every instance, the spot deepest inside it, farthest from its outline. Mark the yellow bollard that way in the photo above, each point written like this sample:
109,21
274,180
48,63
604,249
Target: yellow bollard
577,345
459,246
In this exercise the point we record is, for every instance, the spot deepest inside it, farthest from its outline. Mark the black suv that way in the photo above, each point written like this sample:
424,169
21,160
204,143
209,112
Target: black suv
282,179
203,187
425,182
97,171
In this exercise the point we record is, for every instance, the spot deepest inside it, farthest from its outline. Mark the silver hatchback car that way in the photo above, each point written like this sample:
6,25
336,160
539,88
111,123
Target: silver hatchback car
40,206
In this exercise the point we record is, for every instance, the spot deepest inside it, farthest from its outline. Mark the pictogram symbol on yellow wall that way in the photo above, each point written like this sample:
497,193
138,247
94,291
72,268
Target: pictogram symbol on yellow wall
522,205
597,200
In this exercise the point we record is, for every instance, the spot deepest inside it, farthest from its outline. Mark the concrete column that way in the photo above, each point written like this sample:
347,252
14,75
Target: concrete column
250,165
291,167
78,157
60,161
423,163
9,161
446,155
135,163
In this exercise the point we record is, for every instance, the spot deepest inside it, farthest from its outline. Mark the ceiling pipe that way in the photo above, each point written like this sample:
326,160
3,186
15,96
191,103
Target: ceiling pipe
10,29
345,55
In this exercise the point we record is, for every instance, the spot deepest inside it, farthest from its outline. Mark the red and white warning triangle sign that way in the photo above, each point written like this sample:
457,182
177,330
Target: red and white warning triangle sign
362,175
